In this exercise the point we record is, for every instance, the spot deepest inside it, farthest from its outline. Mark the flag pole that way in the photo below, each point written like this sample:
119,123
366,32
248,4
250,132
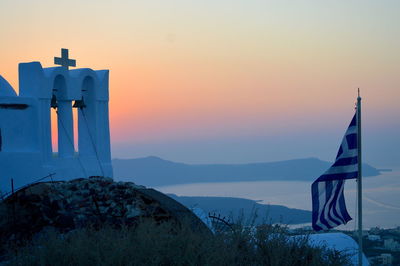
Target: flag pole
359,181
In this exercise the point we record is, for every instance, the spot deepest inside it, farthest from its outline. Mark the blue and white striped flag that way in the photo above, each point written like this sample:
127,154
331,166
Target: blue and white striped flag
328,205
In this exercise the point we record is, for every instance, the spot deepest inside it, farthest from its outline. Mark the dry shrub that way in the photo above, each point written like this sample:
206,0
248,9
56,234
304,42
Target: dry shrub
167,244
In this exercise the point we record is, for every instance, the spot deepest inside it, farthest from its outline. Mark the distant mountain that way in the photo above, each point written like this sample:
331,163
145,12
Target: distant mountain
154,171
235,208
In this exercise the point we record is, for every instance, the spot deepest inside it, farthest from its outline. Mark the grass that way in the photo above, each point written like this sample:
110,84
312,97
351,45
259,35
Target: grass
167,244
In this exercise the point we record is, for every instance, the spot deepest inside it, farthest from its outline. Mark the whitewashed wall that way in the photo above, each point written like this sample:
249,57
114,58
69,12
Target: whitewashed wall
26,151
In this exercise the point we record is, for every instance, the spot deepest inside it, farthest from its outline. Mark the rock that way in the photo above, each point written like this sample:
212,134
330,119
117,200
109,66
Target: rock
132,211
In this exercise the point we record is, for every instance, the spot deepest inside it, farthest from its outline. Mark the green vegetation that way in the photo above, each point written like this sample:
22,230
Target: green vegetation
149,243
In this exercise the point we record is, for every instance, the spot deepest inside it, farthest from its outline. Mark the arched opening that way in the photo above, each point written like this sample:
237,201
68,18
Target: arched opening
61,120
86,118
75,128
58,86
54,131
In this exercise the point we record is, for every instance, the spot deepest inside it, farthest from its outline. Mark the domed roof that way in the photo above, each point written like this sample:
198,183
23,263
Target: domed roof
5,88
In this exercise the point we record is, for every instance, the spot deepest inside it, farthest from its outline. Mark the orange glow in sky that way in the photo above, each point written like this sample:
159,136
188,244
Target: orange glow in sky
199,70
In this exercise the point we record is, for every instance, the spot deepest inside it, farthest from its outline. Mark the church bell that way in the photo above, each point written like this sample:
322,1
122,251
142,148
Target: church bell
53,103
79,104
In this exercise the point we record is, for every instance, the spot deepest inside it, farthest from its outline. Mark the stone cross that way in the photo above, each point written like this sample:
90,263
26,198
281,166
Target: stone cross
64,61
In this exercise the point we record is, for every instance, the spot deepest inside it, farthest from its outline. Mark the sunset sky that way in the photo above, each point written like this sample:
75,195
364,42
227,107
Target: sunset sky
226,81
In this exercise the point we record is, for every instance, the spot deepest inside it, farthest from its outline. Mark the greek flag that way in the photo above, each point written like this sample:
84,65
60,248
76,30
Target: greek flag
328,205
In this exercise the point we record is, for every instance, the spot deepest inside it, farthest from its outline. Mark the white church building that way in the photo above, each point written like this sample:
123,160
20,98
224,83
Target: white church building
26,150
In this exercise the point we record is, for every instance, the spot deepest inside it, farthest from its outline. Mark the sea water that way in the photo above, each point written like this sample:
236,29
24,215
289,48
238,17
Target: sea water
381,196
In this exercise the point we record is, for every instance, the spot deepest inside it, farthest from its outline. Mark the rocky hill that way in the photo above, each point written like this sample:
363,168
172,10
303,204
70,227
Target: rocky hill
79,203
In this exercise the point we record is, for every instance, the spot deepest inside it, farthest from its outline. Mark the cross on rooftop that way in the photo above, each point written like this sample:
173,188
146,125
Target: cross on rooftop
64,61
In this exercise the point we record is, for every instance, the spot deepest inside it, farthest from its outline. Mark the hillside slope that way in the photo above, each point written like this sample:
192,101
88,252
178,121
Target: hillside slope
247,209
154,171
